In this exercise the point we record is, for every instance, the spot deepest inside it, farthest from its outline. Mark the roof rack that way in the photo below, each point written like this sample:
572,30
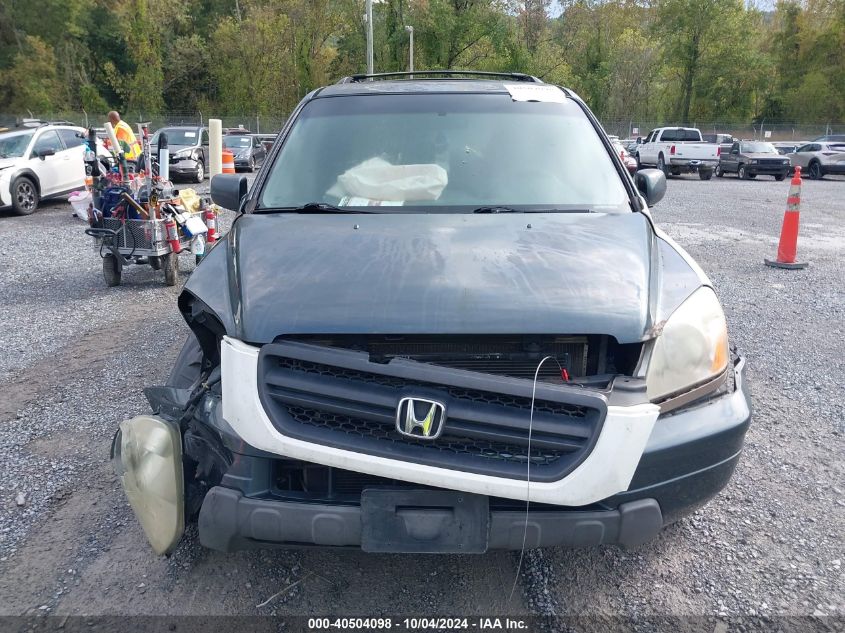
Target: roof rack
437,74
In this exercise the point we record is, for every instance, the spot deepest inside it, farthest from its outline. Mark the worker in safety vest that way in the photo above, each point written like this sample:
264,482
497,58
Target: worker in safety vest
130,145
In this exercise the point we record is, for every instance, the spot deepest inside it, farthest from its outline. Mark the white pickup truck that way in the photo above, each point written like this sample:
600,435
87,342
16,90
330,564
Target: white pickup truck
677,150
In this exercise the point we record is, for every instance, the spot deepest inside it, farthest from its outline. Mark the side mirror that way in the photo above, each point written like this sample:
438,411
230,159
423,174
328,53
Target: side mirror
229,190
652,184
44,153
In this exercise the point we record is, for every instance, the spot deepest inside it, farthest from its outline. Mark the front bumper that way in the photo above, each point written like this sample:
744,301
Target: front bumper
6,188
768,170
229,521
184,167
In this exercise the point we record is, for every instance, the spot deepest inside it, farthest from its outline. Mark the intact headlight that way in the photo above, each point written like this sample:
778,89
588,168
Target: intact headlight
183,153
753,161
692,348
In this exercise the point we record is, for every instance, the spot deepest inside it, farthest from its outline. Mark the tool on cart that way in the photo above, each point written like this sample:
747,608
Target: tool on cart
163,157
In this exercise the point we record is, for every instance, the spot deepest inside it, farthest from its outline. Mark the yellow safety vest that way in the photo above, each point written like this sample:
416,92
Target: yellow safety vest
124,134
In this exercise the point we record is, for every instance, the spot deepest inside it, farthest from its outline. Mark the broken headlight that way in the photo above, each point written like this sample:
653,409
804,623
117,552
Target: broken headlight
692,348
147,454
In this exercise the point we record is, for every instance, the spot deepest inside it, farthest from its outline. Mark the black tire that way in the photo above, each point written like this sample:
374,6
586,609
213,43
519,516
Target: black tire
718,171
170,264
188,366
780,177
155,263
814,171
24,196
111,271
706,174
661,165
200,175
742,173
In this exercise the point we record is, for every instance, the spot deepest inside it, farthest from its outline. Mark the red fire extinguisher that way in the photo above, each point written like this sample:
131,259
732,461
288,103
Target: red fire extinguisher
210,222
172,234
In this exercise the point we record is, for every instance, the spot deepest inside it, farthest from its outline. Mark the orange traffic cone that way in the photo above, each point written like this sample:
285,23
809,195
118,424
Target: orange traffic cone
228,162
788,246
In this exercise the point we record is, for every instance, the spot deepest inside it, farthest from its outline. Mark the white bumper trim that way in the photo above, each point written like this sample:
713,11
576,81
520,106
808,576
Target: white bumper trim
605,472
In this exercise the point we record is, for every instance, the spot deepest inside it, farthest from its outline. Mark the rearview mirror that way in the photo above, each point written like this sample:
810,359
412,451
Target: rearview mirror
44,153
652,184
228,190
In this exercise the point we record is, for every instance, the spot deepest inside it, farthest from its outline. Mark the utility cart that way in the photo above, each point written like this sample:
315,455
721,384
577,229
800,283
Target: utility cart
124,242
143,220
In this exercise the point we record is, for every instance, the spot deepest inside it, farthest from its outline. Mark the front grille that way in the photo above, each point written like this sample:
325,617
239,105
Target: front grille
371,429
459,393
339,398
771,161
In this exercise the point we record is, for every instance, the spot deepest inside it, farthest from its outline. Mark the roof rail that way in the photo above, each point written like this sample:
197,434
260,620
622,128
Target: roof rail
437,74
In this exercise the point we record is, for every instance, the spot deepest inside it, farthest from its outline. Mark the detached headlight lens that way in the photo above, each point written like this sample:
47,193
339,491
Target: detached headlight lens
147,455
691,350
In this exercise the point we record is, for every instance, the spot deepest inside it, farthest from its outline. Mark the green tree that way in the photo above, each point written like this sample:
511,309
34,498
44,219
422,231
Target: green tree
31,83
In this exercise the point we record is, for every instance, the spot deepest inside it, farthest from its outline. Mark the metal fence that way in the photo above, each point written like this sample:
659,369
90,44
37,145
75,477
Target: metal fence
624,128
780,131
252,122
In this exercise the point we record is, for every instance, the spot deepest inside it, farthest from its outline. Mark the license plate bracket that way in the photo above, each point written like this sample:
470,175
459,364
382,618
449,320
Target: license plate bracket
424,522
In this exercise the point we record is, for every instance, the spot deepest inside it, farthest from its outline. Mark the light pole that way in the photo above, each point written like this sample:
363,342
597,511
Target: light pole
410,30
368,17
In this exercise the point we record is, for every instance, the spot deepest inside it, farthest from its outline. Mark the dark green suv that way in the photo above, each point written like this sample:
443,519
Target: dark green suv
748,159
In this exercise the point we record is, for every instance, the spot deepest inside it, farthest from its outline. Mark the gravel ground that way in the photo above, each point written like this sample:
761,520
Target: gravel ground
76,355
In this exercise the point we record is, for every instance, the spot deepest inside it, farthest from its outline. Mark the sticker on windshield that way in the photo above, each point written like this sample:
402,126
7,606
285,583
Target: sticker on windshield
534,92
190,134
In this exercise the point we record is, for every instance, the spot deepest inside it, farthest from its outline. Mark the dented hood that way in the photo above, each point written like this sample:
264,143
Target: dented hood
435,273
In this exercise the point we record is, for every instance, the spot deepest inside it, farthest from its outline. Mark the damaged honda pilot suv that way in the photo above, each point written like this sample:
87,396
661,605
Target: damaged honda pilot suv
442,298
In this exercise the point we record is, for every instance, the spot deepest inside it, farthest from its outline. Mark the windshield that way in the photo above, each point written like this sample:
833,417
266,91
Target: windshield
442,153
14,144
758,148
238,142
177,136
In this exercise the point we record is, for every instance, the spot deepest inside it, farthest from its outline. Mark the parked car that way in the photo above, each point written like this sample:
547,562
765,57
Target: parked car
267,140
719,139
248,150
677,150
787,147
749,159
188,148
37,163
724,141
629,161
819,159
438,292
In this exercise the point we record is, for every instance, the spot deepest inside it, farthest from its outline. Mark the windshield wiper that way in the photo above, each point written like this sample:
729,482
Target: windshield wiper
308,207
498,209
